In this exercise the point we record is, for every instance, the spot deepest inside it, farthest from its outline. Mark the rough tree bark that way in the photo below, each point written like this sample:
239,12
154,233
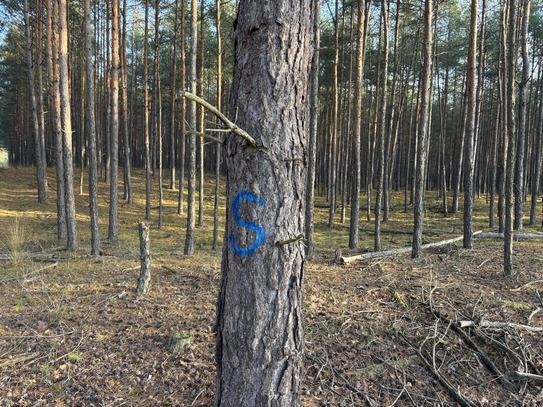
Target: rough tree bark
66,126
41,175
522,116
146,115
420,169
313,131
259,313
218,145
91,129
113,230
191,210
54,108
469,157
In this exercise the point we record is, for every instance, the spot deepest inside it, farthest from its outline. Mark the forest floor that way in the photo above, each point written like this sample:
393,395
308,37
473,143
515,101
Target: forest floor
390,331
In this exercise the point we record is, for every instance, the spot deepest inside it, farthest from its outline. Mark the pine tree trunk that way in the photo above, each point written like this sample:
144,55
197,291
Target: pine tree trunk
113,230
260,333
66,126
182,137
191,212
312,136
126,135
91,128
54,108
521,136
469,159
41,176
173,90
218,146
420,178
146,115
382,130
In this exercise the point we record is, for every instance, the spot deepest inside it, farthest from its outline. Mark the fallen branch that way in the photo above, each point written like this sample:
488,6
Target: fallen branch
516,236
464,402
525,285
490,324
524,376
19,359
375,255
486,360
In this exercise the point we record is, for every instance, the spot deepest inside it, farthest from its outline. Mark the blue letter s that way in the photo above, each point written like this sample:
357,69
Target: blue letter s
260,232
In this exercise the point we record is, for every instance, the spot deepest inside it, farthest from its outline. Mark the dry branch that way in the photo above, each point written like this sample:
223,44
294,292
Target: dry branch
375,255
516,236
231,126
464,402
499,325
486,360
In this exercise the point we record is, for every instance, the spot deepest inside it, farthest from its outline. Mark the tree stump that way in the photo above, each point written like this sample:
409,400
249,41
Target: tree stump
145,274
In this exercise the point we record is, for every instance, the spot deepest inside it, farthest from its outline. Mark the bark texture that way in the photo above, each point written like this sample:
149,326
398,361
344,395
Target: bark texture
144,279
259,313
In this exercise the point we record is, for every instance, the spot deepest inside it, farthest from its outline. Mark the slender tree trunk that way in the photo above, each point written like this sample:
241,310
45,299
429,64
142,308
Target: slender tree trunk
201,121
469,159
113,230
259,352
357,127
510,134
126,134
420,178
191,212
382,129
157,112
522,117
536,180
146,114
173,90
218,146
41,174
182,138
334,135
66,126
91,129
54,108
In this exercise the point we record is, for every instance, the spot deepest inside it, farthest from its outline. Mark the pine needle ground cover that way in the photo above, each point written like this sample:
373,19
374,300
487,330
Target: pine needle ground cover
390,331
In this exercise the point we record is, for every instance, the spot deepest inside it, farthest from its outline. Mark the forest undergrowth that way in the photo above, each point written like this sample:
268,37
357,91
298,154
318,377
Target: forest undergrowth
447,329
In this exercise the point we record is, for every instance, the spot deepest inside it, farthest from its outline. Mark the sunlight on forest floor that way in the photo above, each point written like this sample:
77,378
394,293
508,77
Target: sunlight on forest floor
73,332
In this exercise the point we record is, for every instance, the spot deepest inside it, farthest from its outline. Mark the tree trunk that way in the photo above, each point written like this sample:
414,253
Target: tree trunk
91,129
127,149
522,116
65,107
146,114
382,131
201,121
191,212
469,158
334,132
510,134
144,279
536,180
259,313
420,178
182,137
54,108
39,146
113,230
173,90
218,146
313,132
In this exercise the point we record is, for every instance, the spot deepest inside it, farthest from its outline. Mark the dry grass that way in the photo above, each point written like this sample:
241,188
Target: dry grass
73,332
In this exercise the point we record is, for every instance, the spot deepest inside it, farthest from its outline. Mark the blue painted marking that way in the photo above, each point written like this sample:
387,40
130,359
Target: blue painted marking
260,232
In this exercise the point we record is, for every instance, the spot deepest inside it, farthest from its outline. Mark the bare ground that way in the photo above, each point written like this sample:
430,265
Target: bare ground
380,333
